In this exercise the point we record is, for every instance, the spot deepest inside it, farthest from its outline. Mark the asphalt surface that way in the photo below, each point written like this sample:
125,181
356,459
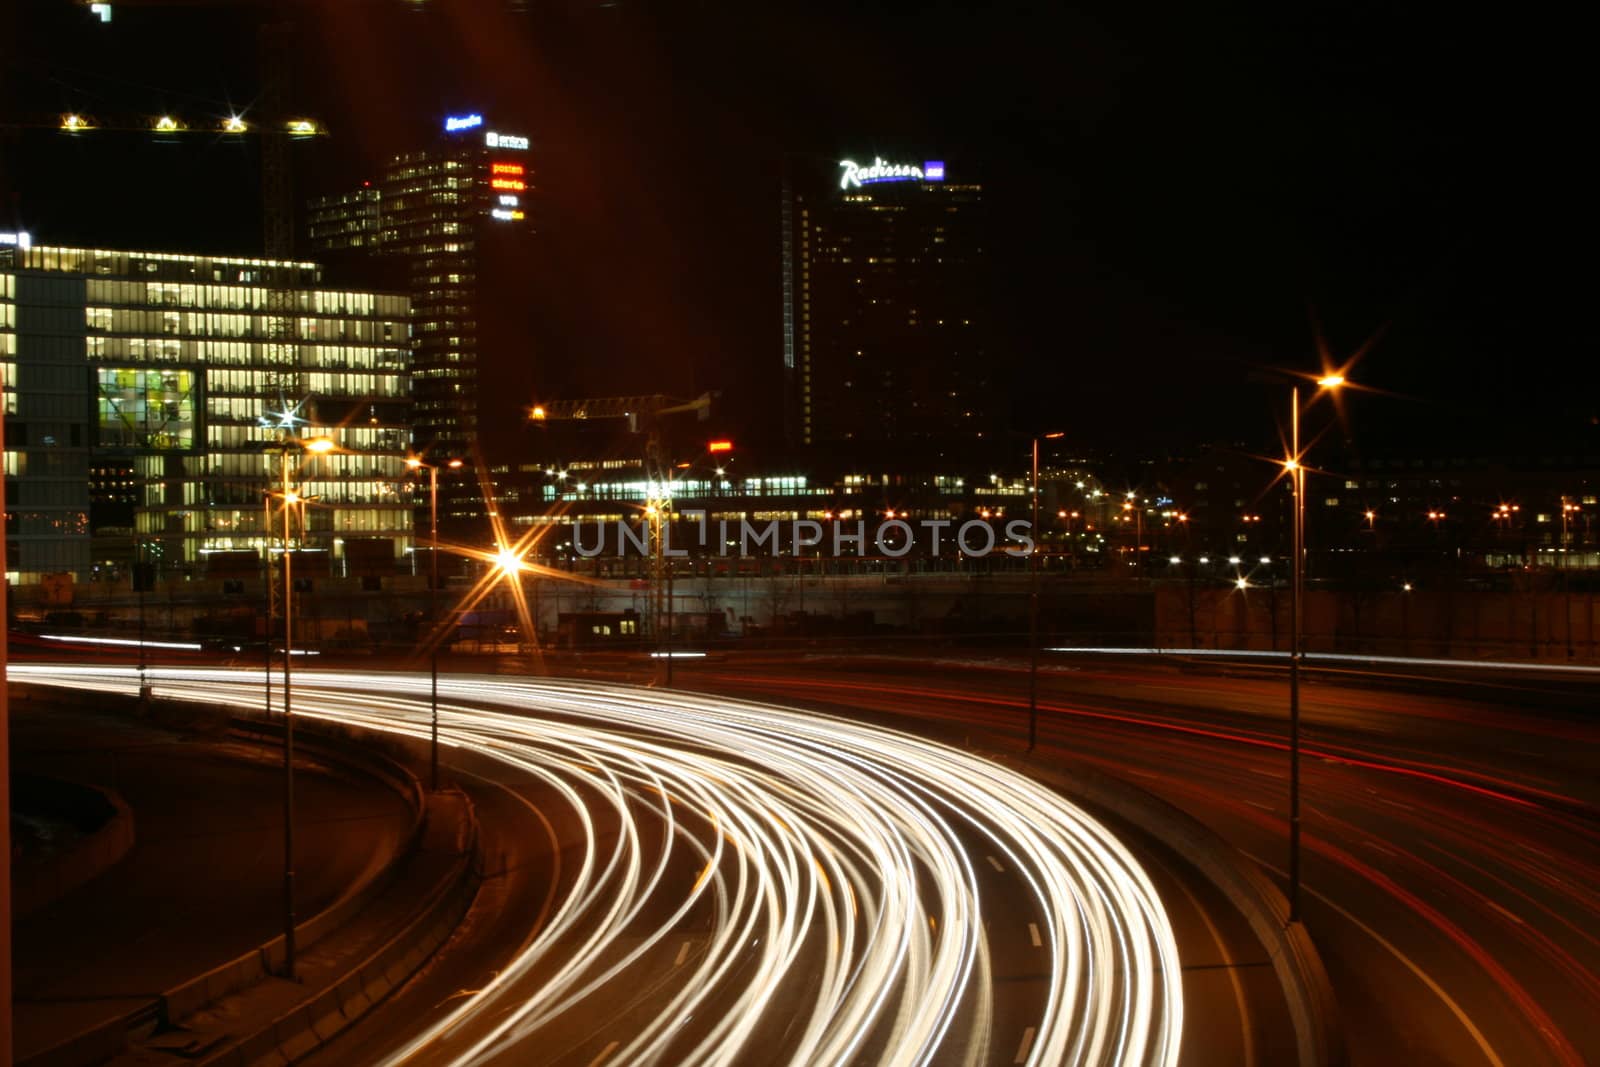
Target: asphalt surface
203,882
1450,852
1452,845
738,883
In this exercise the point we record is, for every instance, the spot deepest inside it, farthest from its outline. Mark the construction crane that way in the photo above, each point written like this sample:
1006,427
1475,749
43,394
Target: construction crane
643,415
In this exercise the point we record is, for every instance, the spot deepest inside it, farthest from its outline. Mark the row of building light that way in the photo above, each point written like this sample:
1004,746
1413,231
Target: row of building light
77,122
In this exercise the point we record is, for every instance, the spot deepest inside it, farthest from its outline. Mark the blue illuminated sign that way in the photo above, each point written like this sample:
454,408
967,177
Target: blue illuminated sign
452,123
933,170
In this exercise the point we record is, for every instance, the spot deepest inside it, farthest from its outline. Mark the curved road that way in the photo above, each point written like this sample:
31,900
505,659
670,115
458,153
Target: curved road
1452,828
749,881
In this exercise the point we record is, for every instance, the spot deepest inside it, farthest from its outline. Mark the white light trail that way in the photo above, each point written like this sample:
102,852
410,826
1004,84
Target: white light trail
1334,657
825,869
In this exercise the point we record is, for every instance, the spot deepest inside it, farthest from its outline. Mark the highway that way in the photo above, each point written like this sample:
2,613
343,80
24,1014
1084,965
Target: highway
1452,863
732,882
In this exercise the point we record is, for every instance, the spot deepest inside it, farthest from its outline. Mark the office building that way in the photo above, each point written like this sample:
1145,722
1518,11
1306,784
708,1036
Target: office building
452,219
886,321
135,388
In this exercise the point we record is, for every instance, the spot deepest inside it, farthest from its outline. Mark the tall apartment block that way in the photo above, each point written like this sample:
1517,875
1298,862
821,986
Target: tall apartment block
886,319
453,215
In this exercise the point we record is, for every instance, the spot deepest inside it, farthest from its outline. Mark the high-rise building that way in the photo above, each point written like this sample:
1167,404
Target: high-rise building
454,216
135,386
886,321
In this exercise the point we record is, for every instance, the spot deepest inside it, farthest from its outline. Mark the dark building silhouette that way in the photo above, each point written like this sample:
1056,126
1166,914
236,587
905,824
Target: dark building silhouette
887,329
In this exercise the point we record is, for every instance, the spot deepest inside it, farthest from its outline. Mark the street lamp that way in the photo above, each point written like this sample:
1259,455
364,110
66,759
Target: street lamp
286,447
1297,473
413,463
1033,598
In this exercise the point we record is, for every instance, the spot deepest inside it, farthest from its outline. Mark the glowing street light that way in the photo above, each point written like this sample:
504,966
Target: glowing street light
289,444
1294,465
1033,594
415,463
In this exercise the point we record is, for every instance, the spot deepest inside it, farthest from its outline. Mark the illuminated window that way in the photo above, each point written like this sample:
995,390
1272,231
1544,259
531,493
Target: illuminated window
146,409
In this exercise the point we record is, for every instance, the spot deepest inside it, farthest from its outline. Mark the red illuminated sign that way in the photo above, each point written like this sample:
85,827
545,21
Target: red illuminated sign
505,168
508,183
720,446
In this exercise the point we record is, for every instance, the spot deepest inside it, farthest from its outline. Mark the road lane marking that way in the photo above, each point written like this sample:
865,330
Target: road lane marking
1246,1031
683,954
1427,979
1033,934
608,1050
1024,1048
996,865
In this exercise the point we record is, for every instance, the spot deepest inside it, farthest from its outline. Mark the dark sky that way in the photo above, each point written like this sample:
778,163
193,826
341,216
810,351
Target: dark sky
1178,196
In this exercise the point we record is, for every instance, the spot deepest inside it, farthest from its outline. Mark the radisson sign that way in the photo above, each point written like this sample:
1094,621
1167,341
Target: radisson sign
855,175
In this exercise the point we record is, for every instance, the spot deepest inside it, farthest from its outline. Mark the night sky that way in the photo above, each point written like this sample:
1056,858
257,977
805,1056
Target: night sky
1178,197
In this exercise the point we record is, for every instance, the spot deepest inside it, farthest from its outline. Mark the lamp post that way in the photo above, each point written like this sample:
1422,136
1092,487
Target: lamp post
433,610
1033,598
1297,474
287,445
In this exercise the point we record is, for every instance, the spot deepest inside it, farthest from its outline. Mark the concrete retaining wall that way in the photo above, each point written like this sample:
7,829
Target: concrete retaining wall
1298,968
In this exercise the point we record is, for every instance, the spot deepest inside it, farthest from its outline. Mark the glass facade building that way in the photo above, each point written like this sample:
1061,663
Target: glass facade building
454,216
135,386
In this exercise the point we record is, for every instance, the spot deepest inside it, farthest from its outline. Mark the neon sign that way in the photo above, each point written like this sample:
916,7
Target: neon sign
509,200
505,215
454,123
506,168
504,140
23,240
856,175
509,183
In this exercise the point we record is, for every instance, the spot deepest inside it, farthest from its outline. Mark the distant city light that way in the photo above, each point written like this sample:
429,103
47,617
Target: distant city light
103,10
166,123
233,124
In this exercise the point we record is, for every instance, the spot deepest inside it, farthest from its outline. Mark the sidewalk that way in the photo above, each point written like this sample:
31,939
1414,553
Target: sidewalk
203,882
